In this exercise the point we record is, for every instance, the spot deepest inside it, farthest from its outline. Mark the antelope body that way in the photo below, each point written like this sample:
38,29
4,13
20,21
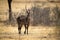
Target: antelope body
23,20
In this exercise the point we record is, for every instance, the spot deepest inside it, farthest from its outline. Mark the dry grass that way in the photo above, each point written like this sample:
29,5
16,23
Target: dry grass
35,33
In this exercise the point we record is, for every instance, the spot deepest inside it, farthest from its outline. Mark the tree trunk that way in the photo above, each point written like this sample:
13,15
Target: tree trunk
10,15
10,12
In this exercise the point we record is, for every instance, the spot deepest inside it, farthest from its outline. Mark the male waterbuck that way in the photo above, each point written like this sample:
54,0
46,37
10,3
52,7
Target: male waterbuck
23,20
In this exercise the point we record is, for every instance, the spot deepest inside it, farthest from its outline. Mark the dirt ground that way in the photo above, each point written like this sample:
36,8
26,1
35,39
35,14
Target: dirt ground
9,32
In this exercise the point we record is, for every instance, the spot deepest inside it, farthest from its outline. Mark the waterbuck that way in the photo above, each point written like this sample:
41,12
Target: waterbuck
23,20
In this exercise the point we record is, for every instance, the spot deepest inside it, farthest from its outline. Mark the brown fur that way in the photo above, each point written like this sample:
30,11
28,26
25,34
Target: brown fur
23,20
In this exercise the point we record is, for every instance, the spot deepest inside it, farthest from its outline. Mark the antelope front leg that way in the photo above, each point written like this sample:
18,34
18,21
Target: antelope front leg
25,29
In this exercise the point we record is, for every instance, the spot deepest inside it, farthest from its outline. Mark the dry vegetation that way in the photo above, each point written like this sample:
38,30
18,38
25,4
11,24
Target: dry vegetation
8,32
